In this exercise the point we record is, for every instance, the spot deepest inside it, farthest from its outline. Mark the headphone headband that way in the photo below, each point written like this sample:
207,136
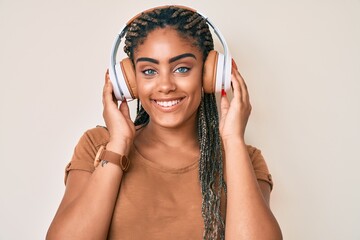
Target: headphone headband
122,91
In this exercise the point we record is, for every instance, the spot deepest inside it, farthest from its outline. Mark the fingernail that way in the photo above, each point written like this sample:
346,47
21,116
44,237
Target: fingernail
106,75
234,64
223,93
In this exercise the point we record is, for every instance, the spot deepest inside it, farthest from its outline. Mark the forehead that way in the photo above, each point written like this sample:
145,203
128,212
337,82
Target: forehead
166,41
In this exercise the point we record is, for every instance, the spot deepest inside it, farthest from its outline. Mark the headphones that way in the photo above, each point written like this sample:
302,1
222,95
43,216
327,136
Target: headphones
216,74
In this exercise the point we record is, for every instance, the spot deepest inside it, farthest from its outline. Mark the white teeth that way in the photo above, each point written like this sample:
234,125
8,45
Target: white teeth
168,103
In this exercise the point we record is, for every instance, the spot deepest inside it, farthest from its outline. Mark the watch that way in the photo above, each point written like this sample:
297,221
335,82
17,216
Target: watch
120,160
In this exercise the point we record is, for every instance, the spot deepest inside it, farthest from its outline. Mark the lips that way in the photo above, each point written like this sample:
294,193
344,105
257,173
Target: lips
168,103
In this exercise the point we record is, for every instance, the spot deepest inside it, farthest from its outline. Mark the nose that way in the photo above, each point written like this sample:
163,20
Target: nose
166,84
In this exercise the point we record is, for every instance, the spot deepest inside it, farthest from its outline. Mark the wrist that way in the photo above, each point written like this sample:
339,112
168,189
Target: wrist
104,155
122,148
233,142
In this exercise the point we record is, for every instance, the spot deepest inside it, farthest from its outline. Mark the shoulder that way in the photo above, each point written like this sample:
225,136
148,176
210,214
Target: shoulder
93,138
86,149
257,158
259,165
253,152
96,136
89,144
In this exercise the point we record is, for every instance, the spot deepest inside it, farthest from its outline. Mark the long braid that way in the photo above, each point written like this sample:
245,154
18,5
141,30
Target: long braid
211,168
193,26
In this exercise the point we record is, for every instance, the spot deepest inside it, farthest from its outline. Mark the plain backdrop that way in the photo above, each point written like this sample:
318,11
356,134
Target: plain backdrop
301,61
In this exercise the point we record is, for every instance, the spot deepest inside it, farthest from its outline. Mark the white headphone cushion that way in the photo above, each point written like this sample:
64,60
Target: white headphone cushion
115,83
219,73
122,84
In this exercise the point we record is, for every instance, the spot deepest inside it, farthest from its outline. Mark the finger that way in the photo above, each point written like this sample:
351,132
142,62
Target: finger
235,81
107,79
233,69
236,87
224,104
239,85
234,65
108,92
243,86
124,109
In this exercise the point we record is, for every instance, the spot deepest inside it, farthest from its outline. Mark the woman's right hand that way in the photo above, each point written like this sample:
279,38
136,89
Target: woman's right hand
117,120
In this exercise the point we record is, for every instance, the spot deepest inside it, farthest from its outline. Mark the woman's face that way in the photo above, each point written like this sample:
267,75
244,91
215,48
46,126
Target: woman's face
169,77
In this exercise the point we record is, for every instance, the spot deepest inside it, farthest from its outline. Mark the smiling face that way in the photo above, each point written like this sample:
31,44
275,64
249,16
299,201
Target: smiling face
169,77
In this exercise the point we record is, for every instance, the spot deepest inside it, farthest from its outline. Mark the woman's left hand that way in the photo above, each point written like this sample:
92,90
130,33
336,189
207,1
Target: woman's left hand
235,114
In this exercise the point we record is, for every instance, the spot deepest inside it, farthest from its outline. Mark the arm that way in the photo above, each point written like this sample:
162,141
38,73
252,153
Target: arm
88,203
248,215
86,209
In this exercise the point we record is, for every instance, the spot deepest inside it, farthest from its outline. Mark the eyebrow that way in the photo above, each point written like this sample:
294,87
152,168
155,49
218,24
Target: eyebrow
147,59
173,59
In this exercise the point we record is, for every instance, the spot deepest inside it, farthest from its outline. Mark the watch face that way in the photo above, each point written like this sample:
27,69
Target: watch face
125,163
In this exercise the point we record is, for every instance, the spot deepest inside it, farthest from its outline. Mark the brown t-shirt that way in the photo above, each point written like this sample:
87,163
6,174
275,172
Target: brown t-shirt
154,202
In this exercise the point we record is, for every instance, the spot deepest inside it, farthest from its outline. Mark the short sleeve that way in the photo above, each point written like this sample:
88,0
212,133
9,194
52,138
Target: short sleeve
260,167
86,149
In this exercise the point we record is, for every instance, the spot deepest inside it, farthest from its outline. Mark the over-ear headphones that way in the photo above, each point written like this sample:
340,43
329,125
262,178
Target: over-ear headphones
217,66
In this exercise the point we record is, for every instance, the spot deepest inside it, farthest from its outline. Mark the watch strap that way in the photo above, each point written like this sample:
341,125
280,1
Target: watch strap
120,160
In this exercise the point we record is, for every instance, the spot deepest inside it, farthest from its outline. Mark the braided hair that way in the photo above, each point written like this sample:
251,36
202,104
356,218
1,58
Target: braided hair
192,25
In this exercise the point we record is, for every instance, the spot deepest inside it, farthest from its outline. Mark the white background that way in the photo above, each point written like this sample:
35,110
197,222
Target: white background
301,61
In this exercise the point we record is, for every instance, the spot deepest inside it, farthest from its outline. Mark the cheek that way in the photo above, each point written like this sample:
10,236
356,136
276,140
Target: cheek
144,87
194,82
196,85
195,90
190,85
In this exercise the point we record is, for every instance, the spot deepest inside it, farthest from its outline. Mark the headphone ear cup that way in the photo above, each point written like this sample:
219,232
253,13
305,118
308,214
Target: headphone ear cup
209,72
128,73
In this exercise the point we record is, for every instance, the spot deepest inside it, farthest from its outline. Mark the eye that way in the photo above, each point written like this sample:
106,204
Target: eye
149,72
182,70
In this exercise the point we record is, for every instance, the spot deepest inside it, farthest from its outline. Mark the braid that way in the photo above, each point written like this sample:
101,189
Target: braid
211,167
142,117
193,26
186,22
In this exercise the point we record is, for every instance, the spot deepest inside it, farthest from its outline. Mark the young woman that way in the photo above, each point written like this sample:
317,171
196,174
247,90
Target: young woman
191,175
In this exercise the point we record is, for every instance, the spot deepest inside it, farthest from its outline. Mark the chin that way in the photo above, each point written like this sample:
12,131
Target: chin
173,121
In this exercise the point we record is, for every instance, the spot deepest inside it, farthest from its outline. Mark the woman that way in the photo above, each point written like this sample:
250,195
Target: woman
191,176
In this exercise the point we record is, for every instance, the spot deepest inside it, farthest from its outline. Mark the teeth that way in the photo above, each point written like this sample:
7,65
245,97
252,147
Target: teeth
168,103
